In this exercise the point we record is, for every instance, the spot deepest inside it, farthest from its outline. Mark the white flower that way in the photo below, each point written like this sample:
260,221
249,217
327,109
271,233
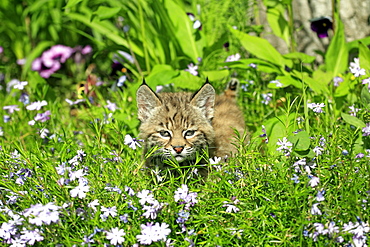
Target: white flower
111,106
316,107
233,58
315,210
284,144
355,68
73,175
112,211
115,235
153,233
80,191
145,196
215,160
192,69
318,150
93,205
20,85
132,142
36,105
314,181
277,83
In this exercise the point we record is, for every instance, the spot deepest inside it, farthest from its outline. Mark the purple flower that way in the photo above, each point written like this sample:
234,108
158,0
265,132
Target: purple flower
11,108
43,117
337,80
366,81
267,97
366,130
50,60
321,26
316,107
111,106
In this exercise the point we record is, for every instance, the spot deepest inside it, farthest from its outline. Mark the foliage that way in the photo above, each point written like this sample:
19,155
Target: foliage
72,171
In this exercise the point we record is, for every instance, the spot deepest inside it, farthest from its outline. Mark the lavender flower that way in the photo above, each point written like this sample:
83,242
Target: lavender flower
183,196
11,108
314,181
316,107
43,117
36,105
266,98
366,81
315,210
337,80
366,130
111,106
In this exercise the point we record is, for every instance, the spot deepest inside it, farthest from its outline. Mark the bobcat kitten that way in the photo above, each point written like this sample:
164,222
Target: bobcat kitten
182,124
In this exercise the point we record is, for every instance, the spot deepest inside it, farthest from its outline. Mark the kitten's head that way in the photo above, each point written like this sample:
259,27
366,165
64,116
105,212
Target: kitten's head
179,124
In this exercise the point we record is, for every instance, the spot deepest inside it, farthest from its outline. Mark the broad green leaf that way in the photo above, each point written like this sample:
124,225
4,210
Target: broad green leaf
344,87
108,29
315,84
301,141
277,22
364,56
187,81
304,58
184,30
353,120
160,75
104,12
259,47
72,3
336,57
216,75
288,80
261,65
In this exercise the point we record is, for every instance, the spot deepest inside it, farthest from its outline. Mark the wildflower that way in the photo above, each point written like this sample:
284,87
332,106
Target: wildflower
152,210
183,216
355,68
284,144
315,210
196,23
11,108
80,191
233,58
295,178
76,102
230,207
253,65
130,191
24,98
183,196
39,214
266,98
153,233
73,175
31,236
337,80
93,205
43,117
192,69
36,105
277,83
320,196
6,118
366,81
132,142
20,85
264,134
88,240
321,25
121,81
314,181
115,235
44,133
353,110
215,160
112,211
124,218
332,229
366,130
318,150
317,108
145,196
111,106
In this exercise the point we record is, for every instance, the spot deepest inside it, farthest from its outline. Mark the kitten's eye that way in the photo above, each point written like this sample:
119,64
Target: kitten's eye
189,133
165,133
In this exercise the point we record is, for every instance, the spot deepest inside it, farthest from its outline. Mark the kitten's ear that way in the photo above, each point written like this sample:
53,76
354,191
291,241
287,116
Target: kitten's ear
204,99
147,101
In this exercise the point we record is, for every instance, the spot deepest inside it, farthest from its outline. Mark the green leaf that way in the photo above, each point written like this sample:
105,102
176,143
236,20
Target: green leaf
261,65
160,75
277,22
216,75
353,120
304,58
72,3
364,56
315,84
259,47
301,141
184,30
187,81
365,96
336,57
104,12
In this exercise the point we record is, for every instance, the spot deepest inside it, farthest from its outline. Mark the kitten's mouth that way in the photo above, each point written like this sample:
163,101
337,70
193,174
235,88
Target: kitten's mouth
179,158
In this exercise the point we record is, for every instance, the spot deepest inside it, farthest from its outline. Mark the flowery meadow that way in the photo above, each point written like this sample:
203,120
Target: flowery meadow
71,165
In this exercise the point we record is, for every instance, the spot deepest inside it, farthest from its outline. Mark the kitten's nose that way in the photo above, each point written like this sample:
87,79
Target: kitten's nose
178,149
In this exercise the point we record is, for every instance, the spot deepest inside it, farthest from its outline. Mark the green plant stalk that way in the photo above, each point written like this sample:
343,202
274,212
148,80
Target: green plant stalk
291,27
142,27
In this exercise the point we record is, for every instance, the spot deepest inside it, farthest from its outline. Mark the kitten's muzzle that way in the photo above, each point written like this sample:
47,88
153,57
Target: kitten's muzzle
178,149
